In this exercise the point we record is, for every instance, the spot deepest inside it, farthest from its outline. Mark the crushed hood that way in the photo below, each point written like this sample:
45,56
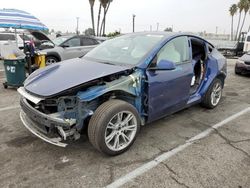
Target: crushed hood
68,74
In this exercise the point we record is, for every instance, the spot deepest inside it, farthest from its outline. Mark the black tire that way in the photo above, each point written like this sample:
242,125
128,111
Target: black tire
207,100
236,71
100,120
5,85
53,59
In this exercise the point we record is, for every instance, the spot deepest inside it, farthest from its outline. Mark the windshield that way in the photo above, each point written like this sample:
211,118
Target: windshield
128,49
60,40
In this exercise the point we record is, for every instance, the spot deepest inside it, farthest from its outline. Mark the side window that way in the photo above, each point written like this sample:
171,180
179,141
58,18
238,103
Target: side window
88,42
176,50
73,42
24,37
6,37
248,38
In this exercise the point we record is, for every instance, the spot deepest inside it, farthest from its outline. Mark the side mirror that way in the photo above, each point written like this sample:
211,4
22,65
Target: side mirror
165,65
64,46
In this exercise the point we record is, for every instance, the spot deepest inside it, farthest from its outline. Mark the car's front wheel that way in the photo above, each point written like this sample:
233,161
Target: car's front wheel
113,127
213,95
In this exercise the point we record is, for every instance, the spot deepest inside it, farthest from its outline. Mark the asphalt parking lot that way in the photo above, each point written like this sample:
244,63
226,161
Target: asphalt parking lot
220,157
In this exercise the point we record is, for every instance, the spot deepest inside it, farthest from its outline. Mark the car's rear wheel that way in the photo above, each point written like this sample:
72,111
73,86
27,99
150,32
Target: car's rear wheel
113,127
51,60
213,95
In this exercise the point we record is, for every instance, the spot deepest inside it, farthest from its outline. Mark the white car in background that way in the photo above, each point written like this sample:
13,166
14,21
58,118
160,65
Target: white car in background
12,37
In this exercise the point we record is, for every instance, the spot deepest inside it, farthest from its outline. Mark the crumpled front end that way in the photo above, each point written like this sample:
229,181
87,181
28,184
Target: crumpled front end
53,120
62,118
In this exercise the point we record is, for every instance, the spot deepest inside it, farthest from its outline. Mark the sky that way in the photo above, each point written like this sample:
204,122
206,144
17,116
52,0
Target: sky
183,15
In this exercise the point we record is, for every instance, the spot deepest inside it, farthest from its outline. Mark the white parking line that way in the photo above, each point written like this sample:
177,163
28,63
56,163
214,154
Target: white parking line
9,108
149,165
1,70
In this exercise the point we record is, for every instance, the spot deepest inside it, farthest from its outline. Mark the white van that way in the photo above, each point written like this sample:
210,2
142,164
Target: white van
247,43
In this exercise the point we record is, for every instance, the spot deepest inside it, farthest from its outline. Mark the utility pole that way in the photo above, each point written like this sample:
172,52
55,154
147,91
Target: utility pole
150,27
133,23
216,30
77,24
157,26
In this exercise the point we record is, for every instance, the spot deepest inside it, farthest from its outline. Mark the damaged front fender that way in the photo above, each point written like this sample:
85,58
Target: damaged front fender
129,84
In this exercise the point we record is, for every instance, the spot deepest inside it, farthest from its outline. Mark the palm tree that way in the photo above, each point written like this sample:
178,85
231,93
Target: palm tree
92,2
241,7
246,6
99,17
105,5
249,13
233,10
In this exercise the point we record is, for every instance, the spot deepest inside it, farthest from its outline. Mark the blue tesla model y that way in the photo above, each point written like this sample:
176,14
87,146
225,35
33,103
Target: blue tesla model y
120,85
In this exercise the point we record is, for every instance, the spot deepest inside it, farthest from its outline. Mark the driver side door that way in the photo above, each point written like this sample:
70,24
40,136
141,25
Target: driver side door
168,90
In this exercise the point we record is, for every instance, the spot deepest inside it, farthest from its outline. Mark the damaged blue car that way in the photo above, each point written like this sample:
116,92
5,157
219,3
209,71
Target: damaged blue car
122,84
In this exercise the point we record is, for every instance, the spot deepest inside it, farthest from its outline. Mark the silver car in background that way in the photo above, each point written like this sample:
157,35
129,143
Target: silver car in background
68,47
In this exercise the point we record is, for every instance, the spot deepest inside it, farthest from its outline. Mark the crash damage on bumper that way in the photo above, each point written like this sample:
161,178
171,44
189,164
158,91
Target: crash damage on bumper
62,118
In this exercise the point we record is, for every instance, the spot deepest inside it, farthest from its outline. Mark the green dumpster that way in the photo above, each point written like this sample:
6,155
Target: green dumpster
15,72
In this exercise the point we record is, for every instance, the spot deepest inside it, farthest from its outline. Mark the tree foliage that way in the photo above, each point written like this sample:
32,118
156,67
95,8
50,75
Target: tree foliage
169,29
242,6
89,32
113,34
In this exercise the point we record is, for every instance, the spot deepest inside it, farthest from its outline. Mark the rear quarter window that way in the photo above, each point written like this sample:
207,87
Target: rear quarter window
6,37
89,42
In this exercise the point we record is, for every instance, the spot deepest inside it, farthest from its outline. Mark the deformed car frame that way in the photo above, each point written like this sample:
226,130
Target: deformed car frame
123,83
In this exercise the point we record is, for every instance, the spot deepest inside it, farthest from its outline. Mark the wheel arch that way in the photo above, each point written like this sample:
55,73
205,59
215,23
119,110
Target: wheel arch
112,95
222,77
54,54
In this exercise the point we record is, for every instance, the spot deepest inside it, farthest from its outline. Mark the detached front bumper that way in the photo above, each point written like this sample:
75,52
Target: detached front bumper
51,129
29,124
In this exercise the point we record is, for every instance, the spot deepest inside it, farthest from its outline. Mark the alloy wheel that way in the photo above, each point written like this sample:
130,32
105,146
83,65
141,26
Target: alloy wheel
120,130
216,94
